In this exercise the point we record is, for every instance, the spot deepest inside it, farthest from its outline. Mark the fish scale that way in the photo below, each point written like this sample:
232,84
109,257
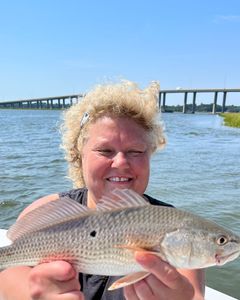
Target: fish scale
103,241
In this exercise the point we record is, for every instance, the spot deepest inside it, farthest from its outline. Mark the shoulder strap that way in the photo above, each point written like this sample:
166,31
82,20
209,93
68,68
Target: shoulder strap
79,195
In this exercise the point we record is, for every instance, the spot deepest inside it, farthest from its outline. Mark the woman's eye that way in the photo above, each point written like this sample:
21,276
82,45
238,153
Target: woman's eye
105,151
135,152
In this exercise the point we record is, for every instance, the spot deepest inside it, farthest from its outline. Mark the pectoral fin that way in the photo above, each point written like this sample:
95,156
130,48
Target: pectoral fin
131,247
139,249
128,279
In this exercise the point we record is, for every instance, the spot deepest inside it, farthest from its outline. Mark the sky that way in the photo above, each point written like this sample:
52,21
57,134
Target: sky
56,47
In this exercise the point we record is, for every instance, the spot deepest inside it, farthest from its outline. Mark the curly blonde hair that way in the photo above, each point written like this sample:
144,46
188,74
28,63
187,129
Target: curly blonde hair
123,99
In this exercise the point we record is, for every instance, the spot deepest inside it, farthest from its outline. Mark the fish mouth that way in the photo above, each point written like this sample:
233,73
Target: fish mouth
221,260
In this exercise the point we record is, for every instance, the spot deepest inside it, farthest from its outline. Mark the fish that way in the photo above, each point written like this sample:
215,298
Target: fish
103,241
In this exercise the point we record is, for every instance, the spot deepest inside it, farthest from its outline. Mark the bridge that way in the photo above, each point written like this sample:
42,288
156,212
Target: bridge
57,102
194,92
61,102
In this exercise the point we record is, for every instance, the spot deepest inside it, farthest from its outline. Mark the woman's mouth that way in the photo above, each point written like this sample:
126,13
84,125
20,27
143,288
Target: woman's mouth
119,179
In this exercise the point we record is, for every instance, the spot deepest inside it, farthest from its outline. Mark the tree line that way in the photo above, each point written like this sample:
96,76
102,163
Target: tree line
201,108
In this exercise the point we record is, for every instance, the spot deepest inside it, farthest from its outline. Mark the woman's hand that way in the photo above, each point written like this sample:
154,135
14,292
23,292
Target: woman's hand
164,282
53,281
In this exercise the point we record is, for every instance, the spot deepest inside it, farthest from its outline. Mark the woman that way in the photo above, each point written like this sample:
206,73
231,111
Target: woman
108,138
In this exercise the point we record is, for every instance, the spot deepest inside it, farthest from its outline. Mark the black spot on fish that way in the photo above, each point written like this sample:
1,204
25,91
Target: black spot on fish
93,233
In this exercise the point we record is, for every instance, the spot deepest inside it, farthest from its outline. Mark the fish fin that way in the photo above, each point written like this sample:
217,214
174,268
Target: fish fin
48,214
128,279
120,198
132,248
135,248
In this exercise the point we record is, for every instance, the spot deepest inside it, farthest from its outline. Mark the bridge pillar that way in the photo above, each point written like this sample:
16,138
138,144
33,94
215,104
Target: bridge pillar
194,102
185,103
214,103
159,100
224,101
163,108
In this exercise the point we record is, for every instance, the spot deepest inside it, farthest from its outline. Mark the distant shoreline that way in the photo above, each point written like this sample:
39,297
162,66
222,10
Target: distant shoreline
201,108
207,108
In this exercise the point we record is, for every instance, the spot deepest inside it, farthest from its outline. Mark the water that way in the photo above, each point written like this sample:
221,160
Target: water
198,170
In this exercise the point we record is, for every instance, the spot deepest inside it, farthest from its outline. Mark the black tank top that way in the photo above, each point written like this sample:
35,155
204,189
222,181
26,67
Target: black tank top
95,287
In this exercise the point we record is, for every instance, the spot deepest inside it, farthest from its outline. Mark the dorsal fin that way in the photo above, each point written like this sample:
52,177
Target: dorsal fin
48,214
120,198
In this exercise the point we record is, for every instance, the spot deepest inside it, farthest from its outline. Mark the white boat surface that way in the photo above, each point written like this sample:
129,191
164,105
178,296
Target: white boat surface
210,294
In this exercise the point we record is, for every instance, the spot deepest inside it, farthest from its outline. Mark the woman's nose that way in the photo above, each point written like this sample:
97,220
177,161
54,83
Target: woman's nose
120,160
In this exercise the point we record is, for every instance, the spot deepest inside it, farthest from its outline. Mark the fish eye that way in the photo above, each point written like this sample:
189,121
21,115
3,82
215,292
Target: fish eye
222,240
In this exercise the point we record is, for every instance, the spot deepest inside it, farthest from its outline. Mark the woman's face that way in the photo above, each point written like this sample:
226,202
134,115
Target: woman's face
115,155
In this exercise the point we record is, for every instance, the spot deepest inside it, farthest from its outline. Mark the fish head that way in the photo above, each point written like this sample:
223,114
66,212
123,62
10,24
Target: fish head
227,247
194,248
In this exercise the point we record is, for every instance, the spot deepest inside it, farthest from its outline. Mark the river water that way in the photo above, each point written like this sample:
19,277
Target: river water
199,170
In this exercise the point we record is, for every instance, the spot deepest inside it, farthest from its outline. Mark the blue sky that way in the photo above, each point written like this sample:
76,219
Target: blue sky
56,47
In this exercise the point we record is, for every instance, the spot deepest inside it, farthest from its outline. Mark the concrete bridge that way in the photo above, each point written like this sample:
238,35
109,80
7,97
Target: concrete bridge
61,102
58,102
194,92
